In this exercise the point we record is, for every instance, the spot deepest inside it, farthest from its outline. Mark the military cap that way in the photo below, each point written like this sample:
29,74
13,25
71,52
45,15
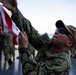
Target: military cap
71,30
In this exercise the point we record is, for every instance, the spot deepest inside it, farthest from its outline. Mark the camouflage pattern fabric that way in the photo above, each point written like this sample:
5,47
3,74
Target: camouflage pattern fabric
9,47
31,51
46,62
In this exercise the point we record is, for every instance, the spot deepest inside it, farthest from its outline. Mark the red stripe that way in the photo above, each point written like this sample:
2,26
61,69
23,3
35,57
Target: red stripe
9,23
14,39
8,20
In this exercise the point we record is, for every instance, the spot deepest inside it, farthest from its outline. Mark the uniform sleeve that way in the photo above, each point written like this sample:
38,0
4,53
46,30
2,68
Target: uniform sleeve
33,35
28,63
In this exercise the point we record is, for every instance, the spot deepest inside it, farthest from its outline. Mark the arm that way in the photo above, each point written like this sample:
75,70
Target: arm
27,62
55,64
33,36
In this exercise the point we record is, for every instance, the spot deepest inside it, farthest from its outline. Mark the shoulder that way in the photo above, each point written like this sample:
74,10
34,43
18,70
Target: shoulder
45,37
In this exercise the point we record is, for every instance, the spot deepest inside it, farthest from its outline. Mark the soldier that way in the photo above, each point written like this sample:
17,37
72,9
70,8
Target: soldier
53,58
53,55
9,46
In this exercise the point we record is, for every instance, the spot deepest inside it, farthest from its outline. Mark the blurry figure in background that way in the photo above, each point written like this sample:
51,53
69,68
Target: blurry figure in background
6,44
1,42
9,47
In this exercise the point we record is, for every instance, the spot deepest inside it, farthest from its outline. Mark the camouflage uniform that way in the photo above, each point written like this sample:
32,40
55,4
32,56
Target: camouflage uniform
47,62
31,50
9,47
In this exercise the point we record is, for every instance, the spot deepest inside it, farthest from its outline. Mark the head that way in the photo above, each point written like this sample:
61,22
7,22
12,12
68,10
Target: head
64,36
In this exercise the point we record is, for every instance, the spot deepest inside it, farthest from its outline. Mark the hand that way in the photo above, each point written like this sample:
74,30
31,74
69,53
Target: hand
10,5
23,40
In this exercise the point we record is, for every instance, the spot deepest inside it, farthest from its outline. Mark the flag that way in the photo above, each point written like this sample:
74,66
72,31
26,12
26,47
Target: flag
8,24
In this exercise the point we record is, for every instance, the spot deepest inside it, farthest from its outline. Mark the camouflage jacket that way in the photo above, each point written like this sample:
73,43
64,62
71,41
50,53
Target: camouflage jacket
6,40
46,62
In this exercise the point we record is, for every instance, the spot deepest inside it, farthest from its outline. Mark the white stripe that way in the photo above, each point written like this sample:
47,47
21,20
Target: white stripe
3,19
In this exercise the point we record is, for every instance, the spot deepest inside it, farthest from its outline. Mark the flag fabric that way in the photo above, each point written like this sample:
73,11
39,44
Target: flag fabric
7,24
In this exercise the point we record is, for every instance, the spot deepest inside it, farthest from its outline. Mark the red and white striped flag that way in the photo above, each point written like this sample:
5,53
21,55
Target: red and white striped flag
8,24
